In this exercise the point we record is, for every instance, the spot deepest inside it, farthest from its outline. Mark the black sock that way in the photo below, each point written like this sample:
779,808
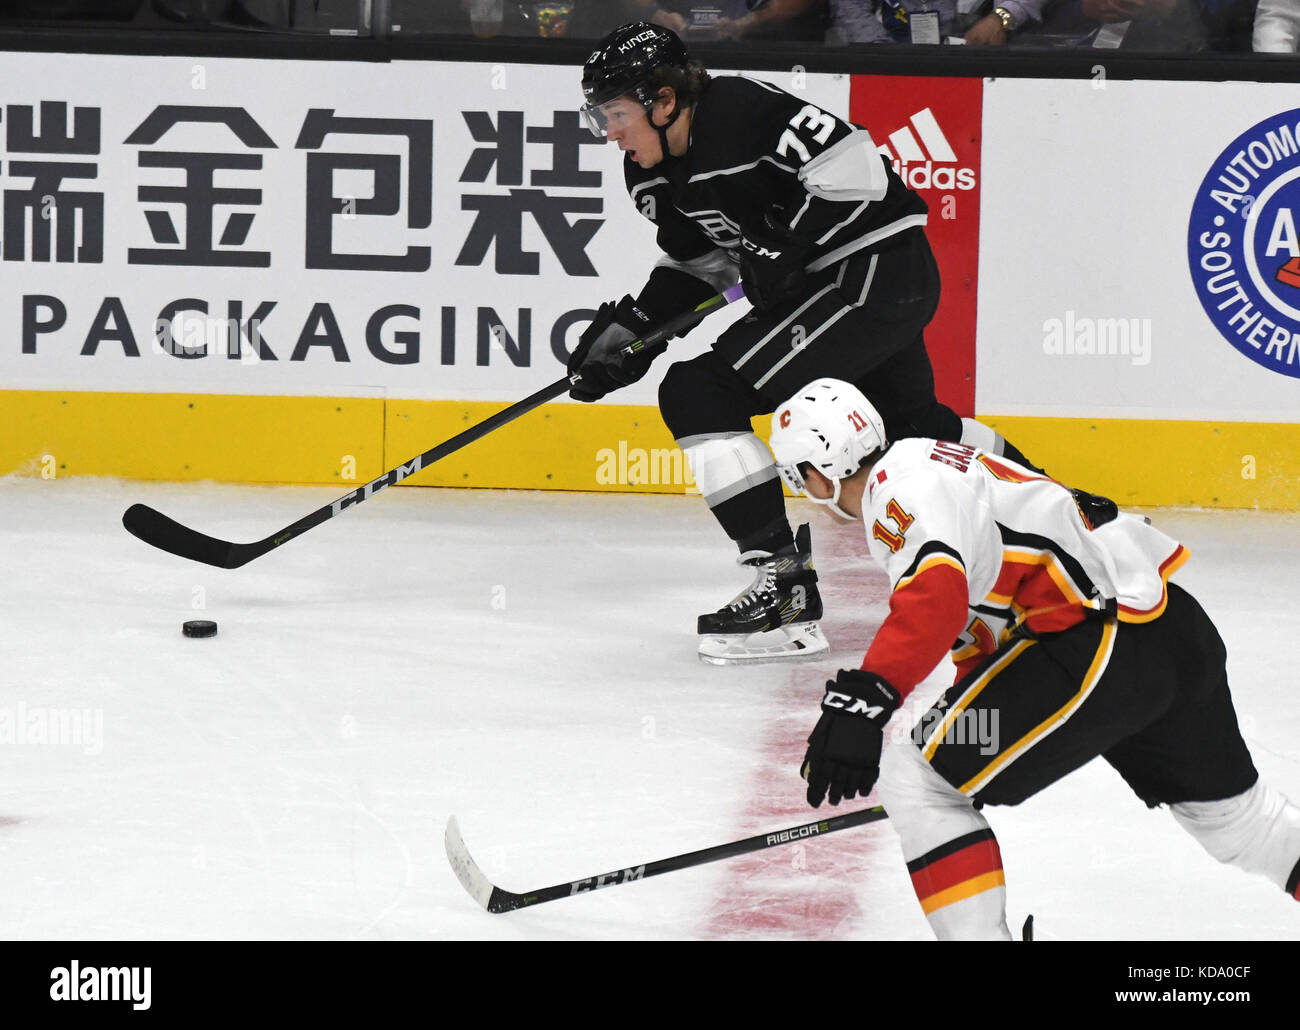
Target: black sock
770,538
755,518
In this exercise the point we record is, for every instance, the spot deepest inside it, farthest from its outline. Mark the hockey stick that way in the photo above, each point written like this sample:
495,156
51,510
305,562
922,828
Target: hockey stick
158,530
496,900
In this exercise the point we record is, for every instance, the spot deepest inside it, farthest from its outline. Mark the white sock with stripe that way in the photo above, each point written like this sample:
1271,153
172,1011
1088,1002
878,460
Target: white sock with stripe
727,464
951,853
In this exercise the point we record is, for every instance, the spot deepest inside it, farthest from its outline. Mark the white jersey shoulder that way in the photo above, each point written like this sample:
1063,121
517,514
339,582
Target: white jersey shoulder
934,501
924,512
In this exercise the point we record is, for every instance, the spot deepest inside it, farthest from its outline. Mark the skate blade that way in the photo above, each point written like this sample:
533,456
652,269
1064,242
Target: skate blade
786,644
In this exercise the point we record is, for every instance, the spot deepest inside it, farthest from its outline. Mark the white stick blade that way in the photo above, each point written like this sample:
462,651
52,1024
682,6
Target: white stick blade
463,865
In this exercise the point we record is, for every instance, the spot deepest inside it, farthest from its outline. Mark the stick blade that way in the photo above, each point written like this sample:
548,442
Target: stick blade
466,869
166,534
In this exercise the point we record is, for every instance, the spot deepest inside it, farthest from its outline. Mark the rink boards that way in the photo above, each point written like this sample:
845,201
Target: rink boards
308,272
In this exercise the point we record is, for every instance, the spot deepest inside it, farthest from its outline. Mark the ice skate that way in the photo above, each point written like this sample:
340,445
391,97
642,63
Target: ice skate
776,618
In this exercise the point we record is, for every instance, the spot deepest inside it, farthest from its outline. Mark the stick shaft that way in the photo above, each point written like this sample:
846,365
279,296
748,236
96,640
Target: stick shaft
507,901
420,461
158,530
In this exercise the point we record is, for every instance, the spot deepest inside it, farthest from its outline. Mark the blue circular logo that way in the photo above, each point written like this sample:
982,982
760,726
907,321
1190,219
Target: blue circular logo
1242,243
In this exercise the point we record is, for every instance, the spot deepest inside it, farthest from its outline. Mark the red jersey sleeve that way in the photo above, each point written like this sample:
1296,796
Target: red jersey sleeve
927,612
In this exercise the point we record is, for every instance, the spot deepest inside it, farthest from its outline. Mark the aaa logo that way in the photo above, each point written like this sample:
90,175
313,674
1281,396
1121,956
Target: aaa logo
1242,243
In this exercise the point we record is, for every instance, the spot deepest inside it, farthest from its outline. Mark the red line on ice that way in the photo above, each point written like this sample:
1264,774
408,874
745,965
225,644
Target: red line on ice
807,889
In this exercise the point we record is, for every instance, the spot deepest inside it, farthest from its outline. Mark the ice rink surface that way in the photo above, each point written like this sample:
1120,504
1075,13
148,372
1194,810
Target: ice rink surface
527,663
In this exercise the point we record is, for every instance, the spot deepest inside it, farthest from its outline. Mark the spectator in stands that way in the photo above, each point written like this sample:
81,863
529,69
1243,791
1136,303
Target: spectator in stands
894,21
777,19
1005,20
890,21
854,21
1154,25
917,21
680,17
1146,24
795,20
1277,27
1157,25
582,19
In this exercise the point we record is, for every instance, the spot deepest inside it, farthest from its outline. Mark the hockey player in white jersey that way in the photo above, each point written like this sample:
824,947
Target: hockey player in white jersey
1070,642
743,180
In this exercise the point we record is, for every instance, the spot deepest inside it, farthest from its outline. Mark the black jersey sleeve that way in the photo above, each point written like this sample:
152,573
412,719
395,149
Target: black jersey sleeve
677,235
692,268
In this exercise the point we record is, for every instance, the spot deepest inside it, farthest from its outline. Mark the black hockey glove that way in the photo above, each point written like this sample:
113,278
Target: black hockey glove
771,263
599,356
843,757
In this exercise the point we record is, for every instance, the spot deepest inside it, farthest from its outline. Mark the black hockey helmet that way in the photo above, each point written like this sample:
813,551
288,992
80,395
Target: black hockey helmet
627,62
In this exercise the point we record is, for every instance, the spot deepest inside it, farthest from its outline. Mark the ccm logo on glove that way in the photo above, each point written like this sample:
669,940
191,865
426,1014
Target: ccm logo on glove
843,757
852,705
760,251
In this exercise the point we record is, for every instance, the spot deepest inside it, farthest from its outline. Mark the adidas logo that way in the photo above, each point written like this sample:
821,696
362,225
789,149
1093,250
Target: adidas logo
919,153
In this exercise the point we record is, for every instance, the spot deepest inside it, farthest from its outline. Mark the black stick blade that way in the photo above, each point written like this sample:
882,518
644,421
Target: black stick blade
166,534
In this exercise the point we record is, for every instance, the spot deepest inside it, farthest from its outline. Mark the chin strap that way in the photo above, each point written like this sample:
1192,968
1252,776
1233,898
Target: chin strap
833,502
663,129
798,485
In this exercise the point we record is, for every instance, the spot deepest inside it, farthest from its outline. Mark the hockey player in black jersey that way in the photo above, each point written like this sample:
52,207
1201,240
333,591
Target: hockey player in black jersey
746,181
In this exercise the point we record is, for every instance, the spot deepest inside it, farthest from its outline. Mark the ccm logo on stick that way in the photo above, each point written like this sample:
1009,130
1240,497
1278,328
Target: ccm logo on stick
595,883
364,493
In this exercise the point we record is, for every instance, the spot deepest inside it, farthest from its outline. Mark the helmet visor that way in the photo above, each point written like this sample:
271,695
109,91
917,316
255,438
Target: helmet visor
612,114
594,117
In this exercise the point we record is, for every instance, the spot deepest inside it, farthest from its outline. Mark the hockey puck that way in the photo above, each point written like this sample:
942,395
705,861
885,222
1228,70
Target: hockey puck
199,628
